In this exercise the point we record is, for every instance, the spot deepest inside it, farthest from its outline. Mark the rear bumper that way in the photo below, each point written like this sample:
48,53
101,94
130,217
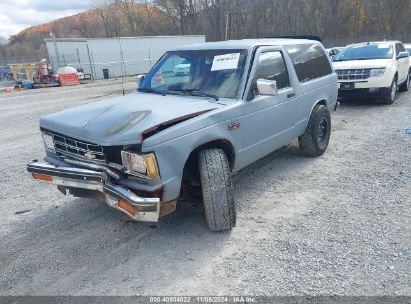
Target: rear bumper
136,207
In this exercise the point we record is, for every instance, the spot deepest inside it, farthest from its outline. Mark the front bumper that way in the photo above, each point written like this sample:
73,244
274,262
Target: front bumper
136,207
362,93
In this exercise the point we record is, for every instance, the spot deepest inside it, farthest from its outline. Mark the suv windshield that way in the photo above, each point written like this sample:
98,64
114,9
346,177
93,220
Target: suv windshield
213,73
365,52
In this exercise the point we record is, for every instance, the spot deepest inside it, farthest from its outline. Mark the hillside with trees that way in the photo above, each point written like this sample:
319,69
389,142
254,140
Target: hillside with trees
337,22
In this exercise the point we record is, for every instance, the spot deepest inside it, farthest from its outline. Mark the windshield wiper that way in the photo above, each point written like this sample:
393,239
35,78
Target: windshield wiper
196,92
357,59
152,91
368,58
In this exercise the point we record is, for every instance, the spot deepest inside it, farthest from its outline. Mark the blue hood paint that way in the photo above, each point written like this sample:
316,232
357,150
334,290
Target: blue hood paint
122,120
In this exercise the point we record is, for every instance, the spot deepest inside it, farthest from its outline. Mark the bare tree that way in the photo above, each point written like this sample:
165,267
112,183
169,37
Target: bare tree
336,21
3,43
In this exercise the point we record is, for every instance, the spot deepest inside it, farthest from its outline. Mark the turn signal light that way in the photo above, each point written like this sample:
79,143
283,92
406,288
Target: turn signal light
43,177
152,170
127,207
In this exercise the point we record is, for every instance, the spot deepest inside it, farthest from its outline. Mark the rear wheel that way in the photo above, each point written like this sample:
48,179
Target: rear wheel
317,134
217,190
405,86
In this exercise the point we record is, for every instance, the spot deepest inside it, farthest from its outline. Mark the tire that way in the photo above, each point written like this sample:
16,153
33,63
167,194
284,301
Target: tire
389,97
405,86
217,190
317,134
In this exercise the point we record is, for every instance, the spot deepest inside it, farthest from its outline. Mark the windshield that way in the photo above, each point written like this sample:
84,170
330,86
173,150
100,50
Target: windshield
408,49
185,62
214,73
365,52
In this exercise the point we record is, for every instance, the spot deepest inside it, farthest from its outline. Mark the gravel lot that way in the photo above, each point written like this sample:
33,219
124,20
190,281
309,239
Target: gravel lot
338,224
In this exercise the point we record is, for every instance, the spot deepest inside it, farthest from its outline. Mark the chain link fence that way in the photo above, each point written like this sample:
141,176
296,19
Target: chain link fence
103,65
106,67
341,42
20,59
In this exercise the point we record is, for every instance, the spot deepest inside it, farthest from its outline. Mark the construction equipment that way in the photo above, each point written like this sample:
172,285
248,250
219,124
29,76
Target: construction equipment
39,73
27,67
44,74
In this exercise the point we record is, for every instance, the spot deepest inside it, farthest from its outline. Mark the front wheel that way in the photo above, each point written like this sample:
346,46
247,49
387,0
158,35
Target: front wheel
392,92
217,190
317,134
405,86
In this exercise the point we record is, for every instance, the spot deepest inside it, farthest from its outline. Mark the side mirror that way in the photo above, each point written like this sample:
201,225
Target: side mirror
402,55
139,79
267,87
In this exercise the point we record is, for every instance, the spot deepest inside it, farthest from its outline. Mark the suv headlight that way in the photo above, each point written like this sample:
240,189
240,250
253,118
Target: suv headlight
141,164
48,141
377,72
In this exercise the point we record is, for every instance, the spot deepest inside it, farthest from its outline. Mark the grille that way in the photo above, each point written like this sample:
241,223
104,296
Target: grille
68,146
355,74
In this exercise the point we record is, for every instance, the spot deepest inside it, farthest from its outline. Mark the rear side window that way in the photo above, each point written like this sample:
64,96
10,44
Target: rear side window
271,66
399,48
309,60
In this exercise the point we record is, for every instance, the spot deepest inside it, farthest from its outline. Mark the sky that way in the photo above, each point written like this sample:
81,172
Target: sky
16,15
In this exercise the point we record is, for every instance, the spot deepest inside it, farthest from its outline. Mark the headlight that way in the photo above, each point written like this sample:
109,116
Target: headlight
141,164
377,72
48,141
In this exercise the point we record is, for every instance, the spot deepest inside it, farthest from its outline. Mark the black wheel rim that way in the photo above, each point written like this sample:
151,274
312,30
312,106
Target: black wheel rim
322,130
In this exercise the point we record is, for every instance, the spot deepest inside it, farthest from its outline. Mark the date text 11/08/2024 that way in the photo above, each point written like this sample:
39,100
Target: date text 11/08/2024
204,299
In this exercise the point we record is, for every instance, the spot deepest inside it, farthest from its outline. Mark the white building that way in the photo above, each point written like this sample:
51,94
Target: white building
113,57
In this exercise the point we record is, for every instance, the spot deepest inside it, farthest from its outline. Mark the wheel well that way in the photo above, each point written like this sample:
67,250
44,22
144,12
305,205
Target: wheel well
191,165
322,102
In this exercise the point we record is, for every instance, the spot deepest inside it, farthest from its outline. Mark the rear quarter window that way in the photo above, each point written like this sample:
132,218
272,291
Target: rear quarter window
309,60
399,48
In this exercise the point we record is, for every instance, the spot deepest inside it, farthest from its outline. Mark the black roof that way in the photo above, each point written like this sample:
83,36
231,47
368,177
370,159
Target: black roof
309,37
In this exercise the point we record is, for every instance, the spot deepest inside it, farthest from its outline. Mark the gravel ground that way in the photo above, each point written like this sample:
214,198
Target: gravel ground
338,224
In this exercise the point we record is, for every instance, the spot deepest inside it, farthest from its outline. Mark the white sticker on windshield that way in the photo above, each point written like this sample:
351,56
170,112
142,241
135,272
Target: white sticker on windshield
225,62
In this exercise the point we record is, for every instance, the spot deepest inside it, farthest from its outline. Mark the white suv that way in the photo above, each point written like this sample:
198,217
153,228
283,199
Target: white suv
372,69
408,47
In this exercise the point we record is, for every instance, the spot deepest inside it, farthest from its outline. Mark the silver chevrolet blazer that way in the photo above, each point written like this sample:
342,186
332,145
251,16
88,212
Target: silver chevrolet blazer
201,113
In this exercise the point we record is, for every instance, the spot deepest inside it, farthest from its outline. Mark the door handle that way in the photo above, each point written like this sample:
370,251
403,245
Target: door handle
291,95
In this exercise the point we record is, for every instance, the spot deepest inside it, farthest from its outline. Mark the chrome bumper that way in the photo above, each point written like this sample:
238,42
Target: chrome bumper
136,207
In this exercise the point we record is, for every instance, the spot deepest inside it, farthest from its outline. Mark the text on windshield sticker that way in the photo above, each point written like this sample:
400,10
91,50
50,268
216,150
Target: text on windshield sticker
225,62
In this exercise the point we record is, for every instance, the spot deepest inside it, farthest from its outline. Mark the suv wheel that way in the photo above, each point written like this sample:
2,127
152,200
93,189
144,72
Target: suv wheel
317,134
405,86
217,189
392,92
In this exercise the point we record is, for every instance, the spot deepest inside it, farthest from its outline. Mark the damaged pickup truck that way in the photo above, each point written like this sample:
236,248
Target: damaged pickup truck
236,102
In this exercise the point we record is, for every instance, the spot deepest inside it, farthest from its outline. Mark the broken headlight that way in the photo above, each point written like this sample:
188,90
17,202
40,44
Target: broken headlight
48,141
141,164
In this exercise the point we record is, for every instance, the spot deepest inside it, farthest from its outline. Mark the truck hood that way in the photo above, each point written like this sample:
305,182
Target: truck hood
360,64
123,120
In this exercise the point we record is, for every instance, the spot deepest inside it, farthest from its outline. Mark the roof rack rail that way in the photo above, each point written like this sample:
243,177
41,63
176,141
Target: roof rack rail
309,37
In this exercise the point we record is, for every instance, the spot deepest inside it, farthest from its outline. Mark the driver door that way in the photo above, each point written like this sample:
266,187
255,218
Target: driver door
268,120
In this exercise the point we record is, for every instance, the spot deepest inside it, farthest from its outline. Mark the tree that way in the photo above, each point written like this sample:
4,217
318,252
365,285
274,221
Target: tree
336,21
3,43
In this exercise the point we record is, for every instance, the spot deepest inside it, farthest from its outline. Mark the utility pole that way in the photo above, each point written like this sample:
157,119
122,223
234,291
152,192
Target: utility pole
90,63
52,35
226,26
